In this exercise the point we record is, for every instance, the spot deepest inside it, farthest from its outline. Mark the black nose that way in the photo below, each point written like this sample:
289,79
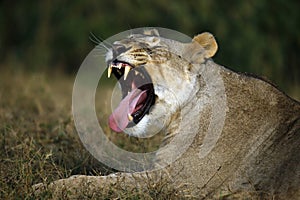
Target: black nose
118,49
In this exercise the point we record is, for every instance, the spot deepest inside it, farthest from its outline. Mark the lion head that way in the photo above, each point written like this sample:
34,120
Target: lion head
158,76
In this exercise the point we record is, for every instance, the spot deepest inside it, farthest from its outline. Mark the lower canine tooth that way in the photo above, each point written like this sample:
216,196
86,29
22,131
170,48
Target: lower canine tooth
109,70
130,118
127,69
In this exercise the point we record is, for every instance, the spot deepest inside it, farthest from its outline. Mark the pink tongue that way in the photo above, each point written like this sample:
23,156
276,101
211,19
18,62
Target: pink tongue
118,120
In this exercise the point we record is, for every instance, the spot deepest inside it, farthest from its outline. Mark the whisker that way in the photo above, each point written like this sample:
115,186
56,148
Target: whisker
100,51
94,38
99,39
101,46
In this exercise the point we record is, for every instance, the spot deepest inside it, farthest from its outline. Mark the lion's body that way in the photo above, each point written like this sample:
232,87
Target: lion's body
255,141
259,146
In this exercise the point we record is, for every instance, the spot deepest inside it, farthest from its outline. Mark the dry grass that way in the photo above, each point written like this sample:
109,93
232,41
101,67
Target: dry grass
38,140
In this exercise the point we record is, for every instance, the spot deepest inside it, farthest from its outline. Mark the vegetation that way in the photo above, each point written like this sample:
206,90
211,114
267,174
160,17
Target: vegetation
38,141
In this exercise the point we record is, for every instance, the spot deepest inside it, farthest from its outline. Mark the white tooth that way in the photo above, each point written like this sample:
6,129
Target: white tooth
109,70
130,118
127,69
136,73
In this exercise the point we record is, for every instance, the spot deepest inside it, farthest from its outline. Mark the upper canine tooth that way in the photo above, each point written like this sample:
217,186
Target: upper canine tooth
127,69
109,70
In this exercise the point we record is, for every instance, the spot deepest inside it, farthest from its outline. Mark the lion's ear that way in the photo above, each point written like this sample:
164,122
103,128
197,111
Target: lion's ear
208,42
202,47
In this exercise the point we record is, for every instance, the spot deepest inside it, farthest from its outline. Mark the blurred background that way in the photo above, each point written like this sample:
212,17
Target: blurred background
256,36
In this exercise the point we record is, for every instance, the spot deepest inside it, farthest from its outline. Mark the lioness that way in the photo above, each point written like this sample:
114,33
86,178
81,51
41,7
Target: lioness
228,132
158,77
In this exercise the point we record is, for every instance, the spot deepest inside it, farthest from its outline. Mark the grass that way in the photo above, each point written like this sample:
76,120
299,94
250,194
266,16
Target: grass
38,139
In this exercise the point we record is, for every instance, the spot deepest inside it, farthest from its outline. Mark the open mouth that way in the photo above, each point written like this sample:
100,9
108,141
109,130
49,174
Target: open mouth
137,95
